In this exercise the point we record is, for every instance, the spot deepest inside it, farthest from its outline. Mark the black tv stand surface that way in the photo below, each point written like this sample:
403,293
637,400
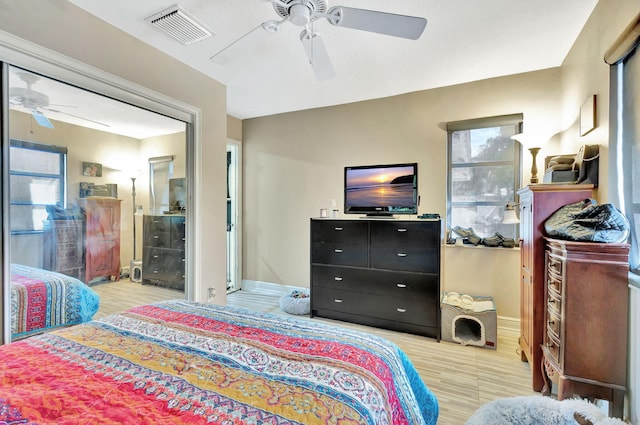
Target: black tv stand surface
382,273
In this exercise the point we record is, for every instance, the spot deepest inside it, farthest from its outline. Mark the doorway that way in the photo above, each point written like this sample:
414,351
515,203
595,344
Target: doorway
233,218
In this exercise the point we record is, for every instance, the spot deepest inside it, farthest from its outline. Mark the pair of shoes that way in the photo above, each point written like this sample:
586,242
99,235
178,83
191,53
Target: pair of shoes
492,241
469,235
498,240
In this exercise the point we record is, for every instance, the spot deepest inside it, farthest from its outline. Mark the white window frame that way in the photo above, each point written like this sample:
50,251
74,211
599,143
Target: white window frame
480,123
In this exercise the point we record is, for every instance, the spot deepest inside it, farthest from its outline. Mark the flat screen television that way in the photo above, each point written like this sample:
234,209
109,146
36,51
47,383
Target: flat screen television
381,190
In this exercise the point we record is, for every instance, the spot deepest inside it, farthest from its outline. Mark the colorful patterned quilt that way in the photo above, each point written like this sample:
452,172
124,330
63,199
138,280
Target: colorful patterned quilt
42,299
181,362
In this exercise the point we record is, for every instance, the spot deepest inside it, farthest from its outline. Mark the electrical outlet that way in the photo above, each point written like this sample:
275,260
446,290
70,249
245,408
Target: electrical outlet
211,293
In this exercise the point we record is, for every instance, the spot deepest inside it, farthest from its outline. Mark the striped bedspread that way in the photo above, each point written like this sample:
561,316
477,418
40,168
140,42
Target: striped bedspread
180,362
42,299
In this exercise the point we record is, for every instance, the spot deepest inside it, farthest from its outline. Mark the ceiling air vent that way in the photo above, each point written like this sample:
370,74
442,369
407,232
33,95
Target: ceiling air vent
180,25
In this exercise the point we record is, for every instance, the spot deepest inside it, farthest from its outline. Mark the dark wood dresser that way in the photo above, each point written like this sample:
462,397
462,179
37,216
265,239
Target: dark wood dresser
163,250
63,247
377,272
586,318
102,237
537,203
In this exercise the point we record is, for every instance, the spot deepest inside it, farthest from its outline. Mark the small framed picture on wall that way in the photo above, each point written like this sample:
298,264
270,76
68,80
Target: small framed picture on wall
91,169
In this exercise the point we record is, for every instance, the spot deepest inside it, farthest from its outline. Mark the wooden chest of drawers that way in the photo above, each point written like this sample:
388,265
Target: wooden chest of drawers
586,299
163,251
63,247
383,273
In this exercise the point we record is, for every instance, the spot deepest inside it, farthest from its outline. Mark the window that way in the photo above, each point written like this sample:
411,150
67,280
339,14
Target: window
37,178
484,173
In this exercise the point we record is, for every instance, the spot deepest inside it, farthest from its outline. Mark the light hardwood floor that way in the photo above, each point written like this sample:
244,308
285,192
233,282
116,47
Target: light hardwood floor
461,377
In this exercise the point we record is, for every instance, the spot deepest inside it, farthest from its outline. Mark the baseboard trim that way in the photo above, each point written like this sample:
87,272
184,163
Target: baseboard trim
509,325
506,325
268,288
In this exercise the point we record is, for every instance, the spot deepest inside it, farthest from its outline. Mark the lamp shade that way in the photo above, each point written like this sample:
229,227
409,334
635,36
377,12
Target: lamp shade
510,216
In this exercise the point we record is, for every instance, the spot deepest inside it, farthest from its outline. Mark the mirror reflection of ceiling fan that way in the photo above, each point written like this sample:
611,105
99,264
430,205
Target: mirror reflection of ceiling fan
303,13
37,102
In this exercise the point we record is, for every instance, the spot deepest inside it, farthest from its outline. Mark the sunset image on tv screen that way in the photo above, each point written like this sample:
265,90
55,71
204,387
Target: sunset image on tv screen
380,187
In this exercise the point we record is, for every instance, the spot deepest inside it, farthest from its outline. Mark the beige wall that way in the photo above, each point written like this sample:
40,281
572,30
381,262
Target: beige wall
92,42
293,166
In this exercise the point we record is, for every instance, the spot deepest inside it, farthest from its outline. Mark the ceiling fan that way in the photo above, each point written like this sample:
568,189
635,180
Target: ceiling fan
303,13
36,101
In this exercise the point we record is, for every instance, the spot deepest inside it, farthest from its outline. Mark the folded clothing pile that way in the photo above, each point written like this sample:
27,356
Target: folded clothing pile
561,163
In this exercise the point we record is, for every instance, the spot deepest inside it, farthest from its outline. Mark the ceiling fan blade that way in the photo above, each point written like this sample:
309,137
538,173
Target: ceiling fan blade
317,54
404,26
41,119
76,116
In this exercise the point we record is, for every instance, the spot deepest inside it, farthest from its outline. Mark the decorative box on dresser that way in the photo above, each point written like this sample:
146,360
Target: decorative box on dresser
163,250
586,317
63,247
377,272
102,237
537,203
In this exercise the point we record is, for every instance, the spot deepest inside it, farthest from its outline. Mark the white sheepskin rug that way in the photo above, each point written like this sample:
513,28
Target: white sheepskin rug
539,410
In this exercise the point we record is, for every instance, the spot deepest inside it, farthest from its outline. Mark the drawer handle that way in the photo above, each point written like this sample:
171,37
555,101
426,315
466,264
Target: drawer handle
402,254
338,229
337,251
401,285
337,301
551,322
156,256
155,236
338,279
401,310
402,230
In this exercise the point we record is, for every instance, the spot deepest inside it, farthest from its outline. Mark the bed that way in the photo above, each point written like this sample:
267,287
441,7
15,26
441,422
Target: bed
182,362
43,300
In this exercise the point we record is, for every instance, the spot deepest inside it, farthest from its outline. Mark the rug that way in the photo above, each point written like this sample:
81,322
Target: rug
540,410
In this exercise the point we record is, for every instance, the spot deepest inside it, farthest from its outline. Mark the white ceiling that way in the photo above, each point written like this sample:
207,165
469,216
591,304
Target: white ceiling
465,40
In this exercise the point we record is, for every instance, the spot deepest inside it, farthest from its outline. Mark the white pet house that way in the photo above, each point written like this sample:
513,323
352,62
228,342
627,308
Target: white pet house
469,320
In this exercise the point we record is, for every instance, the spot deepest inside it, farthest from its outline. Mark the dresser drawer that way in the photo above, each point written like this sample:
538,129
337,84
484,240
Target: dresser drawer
340,231
554,303
343,253
555,267
157,223
553,323
418,234
414,311
158,239
413,259
552,345
391,283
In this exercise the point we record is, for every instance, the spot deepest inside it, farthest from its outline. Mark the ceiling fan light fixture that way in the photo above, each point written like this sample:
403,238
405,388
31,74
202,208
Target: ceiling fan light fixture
299,14
180,25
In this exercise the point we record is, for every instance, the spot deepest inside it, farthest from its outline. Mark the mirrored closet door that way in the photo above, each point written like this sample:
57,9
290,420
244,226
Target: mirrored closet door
87,234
